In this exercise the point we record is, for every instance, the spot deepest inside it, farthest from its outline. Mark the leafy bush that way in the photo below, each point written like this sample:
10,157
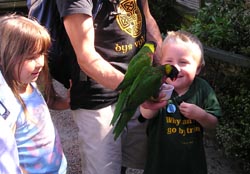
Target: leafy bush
165,15
225,25
233,131
232,84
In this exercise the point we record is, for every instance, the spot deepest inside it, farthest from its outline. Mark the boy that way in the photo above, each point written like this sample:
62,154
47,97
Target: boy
176,131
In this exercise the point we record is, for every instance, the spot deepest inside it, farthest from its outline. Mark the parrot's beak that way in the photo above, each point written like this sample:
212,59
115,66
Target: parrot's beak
173,79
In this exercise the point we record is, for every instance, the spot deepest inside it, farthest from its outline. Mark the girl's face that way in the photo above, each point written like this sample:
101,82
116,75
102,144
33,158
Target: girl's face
179,55
30,69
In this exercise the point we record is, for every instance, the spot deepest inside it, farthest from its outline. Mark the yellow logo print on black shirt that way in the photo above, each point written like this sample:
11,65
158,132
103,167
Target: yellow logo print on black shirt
129,18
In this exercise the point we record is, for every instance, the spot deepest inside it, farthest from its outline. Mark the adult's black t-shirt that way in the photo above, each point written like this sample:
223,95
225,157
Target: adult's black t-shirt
120,31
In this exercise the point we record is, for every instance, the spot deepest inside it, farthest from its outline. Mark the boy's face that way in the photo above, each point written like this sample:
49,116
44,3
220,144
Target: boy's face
182,57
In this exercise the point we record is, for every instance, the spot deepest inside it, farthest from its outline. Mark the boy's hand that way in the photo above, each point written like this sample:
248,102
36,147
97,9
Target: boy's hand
150,108
155,104
194,112
191,111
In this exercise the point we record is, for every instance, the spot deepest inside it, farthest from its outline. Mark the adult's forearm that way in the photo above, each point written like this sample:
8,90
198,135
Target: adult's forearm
153,32
80,30
102,72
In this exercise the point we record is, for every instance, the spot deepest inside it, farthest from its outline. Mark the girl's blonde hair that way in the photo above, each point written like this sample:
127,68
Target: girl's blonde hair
21,39
189,38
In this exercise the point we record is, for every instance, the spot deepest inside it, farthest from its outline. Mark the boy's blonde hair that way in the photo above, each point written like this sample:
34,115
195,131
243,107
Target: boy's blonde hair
186,37
21,39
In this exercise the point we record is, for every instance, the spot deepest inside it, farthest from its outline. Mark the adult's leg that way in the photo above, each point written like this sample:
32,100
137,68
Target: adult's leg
100,154
134,144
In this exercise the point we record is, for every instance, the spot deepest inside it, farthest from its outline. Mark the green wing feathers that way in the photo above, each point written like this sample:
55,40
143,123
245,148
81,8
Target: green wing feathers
143,58
122,122
122,114
120,105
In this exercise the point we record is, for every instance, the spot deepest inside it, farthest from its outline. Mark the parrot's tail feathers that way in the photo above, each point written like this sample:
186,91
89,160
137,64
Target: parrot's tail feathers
122,123
117,112
116,116
119,126
119,105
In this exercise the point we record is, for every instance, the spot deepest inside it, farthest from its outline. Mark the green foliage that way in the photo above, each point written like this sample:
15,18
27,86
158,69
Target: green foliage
232,86
233,131
164,14
225,25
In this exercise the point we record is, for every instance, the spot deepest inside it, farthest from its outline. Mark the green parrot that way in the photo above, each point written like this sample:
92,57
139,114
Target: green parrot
120,104
146,85
143,58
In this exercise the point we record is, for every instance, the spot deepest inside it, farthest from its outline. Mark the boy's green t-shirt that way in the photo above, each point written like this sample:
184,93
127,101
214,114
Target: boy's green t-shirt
176,142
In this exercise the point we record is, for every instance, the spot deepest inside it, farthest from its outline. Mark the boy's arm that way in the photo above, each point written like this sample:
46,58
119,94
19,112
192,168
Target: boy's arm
208,120
147,113
194,112
149,108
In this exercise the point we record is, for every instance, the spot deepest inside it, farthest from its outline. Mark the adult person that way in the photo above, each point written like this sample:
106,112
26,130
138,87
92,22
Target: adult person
103,47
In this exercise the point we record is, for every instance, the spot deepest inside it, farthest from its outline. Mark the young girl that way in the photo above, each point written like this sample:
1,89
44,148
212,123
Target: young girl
175,134
23,47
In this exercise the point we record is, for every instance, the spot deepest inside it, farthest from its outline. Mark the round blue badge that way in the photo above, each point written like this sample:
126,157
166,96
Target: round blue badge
171,108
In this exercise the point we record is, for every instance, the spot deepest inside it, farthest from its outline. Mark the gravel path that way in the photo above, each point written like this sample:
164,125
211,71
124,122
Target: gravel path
217,163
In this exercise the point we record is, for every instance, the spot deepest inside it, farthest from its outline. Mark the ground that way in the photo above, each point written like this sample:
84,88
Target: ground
217,162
